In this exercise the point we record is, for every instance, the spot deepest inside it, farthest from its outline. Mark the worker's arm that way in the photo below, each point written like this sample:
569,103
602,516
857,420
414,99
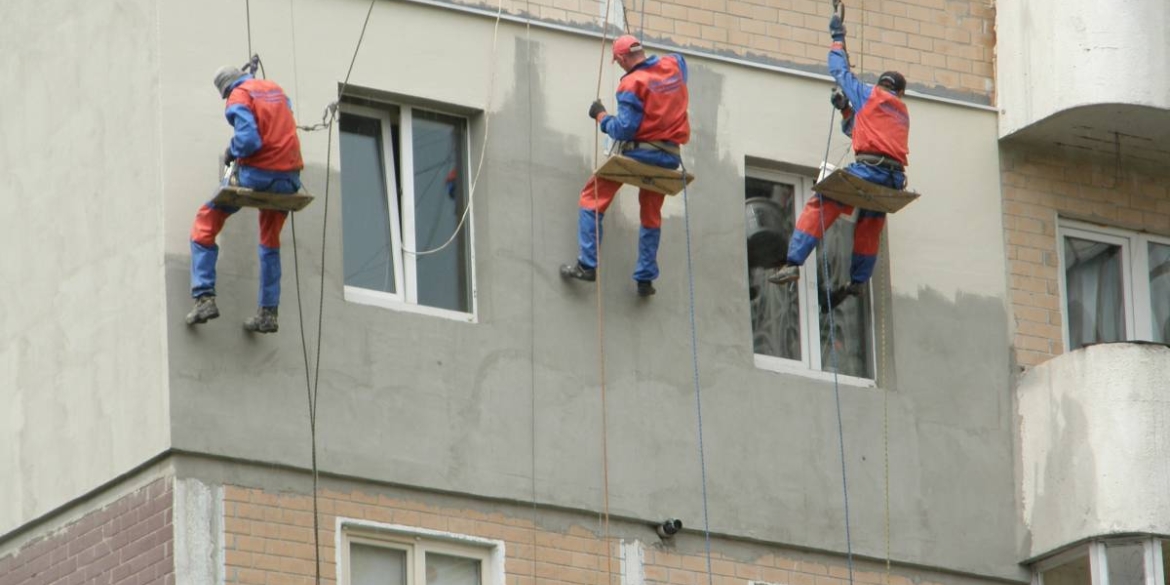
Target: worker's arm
624,126
246,139
855,90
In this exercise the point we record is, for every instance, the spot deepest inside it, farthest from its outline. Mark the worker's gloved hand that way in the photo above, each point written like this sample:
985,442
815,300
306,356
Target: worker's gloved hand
228,157
838,99
837,28
596,109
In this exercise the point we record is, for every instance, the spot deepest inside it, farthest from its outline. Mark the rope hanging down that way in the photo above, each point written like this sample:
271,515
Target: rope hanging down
695,372
311,387
601,320
834,365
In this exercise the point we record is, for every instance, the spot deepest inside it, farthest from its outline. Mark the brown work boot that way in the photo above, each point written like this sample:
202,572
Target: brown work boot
204,311
263,322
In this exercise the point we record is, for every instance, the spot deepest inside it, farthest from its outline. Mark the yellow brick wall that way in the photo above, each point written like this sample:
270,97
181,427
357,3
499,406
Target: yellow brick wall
269,542
942,46
1038,185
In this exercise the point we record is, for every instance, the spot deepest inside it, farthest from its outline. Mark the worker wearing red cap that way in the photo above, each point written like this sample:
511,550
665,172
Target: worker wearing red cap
651,123
879,123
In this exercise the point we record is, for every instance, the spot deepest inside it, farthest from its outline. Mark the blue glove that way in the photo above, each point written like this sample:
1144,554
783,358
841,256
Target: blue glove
837,28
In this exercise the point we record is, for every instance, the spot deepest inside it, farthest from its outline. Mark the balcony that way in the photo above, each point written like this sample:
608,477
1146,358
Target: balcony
1086,73
1095,445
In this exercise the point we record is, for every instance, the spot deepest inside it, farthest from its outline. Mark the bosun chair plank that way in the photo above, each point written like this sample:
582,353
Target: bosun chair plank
851,190
624,169
244,197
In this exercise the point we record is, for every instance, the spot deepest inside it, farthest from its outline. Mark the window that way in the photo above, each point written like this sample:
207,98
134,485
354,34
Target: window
384,555
404,189
789,331
1115,284
1107,561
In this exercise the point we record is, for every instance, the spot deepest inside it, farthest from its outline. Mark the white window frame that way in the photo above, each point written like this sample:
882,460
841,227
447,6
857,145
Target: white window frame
1135,263
406,264
810,348
416,542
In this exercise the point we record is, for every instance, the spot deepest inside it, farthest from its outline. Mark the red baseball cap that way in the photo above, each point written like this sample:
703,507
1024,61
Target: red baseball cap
624,45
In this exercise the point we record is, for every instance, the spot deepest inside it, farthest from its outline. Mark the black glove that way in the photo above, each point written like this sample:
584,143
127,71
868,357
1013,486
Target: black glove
596,109
837,28
228,157
838,99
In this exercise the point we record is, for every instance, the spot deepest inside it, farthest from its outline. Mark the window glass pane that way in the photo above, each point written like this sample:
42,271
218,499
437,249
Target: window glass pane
1093,279
375,565
450,570
1160,291
440,179
851,319
365,213
1075,572
1125,562
775,308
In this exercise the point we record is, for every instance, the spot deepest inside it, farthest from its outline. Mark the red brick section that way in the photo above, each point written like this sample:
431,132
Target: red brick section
1039,185
269,542
129,542
943,44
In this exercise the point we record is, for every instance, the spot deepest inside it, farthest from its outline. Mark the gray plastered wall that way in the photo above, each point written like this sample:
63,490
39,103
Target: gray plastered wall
481,408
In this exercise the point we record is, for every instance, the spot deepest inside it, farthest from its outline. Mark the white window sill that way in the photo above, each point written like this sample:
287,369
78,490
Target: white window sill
783,366
384,300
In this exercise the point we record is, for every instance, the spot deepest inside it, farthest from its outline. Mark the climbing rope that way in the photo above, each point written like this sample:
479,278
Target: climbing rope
311,387
833,361
695,371
601,318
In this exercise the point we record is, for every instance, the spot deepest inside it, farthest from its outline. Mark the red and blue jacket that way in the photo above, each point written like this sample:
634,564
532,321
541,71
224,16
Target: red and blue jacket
265,131
881,123
652,104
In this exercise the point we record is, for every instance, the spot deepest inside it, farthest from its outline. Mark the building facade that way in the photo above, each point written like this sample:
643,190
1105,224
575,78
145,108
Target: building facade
479,421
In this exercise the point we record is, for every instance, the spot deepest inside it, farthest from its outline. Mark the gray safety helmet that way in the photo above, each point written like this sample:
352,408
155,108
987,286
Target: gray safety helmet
225,77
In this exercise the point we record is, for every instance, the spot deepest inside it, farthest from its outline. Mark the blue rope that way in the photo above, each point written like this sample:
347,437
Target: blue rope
833,360
695,366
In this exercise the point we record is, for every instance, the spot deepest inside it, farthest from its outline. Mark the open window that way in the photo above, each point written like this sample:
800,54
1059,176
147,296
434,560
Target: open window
404,192
789,331
1115,285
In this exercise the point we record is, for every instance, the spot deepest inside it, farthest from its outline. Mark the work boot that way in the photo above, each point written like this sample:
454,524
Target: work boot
785,274
204,311
853,289
645,288
575,270
263,322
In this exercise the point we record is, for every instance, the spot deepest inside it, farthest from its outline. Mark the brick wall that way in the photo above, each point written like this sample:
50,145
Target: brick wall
942,46
1039,184
269,541
129,542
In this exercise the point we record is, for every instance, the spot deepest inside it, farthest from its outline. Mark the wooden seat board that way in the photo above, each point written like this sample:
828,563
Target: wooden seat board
243,197
853,190
624,169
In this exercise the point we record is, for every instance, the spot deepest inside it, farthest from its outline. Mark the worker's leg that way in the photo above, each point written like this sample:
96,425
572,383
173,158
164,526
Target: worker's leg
209,222
867,238
271,222
818,214
867,234
594,201
649,235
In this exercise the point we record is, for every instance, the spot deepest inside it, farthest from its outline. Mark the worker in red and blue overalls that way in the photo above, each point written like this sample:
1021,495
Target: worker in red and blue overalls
879,123
268,155
651,123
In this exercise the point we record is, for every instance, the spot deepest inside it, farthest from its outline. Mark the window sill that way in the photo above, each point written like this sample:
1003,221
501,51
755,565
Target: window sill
783,366
384,300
